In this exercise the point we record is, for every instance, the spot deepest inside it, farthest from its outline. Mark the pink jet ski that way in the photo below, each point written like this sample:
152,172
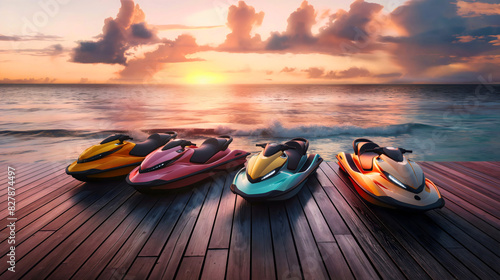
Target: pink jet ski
181,163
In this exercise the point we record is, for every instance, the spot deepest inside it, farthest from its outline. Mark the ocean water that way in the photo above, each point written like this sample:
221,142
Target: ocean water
438,122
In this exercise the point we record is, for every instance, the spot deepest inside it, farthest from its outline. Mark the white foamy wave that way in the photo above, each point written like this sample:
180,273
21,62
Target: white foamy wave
277,130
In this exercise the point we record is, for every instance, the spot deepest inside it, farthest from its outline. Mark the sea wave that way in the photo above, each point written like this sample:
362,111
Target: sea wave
273,130
277,130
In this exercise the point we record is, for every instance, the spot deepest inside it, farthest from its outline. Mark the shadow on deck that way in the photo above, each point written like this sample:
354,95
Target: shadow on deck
69,229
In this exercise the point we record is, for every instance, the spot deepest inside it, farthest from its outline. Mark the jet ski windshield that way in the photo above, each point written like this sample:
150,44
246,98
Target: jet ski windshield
395,154
272,148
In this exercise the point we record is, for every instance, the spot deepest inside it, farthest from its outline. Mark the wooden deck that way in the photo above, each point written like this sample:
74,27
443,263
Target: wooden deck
69,229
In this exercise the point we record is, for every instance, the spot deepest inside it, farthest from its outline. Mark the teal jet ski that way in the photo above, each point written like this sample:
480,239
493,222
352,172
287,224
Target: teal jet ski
277,173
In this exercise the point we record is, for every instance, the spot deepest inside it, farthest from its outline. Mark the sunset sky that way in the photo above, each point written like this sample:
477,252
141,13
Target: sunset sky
253,41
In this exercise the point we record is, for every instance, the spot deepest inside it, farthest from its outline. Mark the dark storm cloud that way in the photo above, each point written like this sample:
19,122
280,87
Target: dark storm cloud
140,30
349,25
119,35
345,32
437,35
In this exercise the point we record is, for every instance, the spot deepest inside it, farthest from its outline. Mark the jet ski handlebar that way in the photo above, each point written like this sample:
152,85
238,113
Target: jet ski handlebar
173,133
124,137
380,150
405,151
281,147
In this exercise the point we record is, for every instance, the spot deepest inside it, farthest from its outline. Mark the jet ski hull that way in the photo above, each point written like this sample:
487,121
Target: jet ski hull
114,158
282,186
97,172
376,190
182,174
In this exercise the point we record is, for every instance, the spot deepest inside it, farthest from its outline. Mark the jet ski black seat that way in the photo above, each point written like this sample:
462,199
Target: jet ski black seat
153,142
299,148
365,158
209,148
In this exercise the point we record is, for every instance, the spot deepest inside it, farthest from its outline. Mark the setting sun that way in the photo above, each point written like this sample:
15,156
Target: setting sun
204,78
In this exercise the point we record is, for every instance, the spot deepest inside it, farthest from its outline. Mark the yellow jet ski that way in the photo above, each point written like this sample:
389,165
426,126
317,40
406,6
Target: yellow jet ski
115,157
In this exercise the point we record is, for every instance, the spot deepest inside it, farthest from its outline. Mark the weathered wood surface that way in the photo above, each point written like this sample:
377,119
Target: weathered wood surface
68,229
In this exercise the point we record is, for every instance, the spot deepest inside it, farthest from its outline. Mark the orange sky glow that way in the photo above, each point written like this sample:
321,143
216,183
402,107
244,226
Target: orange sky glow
249,42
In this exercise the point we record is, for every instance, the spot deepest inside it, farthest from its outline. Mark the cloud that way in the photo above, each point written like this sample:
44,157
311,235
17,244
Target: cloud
314,72
350,73
443,38
45,80
298,30
144,68
241,19
474,9
353,72
320,73
119,35
353,24
288,69
37,37
182,26
345,32
52,50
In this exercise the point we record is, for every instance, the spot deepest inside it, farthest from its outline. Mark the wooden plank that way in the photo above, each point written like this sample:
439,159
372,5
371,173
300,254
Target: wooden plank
27,246
469,221
334,260
238,266
190,268
198,243
24,180
262,246
20,172
319,227
366,228
428,232
361,267
42,216
285,255
388,234
460,186
121,218
486,253
106,203
171,256
215,264
487,170
474,184
33,196
487,173
221,232
26,174
131,248
93,259
162,232
49,211
332,216
309,257
141,268
456,188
